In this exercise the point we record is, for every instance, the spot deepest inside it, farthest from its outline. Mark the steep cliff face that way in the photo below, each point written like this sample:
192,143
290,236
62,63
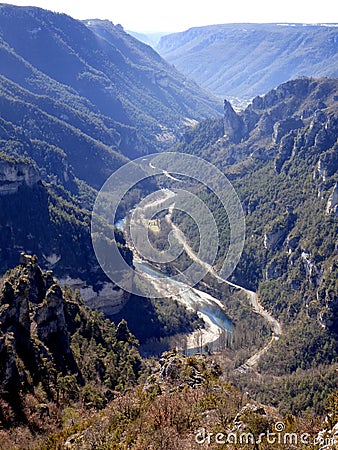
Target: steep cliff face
332,202
16,174
233,123
35,219
33,323
300,144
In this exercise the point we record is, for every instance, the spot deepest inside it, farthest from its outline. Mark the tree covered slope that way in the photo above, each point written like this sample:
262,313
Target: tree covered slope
281,155
245,60
124,88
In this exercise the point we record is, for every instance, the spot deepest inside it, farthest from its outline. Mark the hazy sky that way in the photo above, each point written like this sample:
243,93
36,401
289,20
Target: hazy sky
178,15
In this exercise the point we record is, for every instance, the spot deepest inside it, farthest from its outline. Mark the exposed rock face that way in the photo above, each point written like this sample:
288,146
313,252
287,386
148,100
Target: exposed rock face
327,164
248,409
271,240
281,128
233,123
265,125
52,348
281,124
284,152
312,271
32,316
14,175
322,135
50,317
332,204
292,243
64,244
178,371
298,88
109,298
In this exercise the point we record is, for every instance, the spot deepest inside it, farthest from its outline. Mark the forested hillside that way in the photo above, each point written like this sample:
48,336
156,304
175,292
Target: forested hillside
77,100
280,153
95,77
244,60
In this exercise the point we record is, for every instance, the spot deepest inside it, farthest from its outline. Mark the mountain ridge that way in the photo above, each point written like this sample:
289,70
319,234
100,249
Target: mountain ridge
245,60
134,86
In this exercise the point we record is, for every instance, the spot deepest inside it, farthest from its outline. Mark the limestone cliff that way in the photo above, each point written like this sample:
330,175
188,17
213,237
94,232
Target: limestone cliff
332,204
233,123
14,174
33,319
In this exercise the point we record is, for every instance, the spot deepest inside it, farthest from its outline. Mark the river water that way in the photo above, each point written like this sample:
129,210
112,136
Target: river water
218,331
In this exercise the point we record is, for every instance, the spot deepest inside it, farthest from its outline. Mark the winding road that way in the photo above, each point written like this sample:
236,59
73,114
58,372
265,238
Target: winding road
209,308
252,296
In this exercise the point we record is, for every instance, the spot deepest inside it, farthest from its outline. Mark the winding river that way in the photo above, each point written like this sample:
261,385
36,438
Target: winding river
218,327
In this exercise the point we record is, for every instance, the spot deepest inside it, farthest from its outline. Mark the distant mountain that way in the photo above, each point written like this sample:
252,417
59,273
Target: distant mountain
245,60
151,38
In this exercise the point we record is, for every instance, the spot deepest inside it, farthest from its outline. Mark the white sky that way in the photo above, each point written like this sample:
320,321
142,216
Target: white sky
179,15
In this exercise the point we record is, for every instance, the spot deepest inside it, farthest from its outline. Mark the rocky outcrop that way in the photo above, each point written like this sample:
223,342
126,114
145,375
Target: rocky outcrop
177,371
327,165
107,298
327,299
284,151
332,203
50,316
283,127
311,269
293,88
265,125
233,123
33,319
43,220
281,124
249,410
322,131
54,350
15,174
273,239
292,243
